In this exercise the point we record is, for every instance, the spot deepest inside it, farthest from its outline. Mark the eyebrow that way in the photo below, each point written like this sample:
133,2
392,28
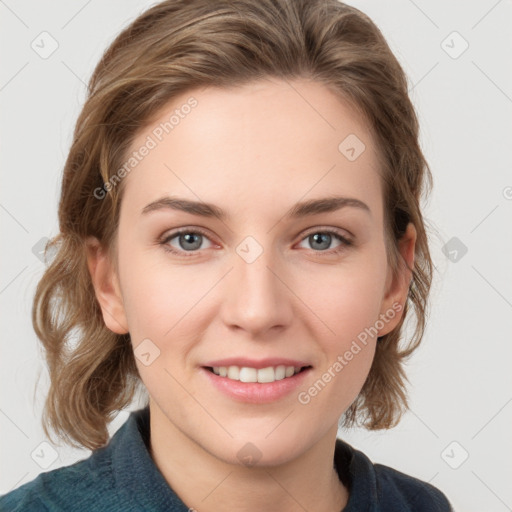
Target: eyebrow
301,209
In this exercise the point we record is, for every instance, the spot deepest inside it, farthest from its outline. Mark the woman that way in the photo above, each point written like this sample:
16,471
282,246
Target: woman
241,238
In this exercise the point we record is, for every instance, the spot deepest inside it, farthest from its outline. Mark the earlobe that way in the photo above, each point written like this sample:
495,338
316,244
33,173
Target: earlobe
397,286
106,286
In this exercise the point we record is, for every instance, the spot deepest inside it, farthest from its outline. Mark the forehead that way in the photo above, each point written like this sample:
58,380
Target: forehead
269,143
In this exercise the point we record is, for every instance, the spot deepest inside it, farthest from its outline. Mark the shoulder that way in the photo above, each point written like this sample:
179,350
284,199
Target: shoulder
394,486
118,476
76,487
381,488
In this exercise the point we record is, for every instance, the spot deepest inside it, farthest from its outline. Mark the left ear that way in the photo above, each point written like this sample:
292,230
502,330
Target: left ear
397,287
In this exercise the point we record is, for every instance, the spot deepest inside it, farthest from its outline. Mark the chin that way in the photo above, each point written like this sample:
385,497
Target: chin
259,451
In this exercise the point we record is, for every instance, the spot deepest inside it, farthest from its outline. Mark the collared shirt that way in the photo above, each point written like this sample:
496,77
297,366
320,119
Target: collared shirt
121,476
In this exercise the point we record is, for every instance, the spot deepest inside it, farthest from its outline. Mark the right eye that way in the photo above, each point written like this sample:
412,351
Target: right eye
187,241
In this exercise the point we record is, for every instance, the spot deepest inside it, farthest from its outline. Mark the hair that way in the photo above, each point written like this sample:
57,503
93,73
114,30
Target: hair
174,47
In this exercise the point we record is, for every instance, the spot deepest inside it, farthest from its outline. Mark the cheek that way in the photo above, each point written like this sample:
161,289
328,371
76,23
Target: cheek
156,294
346,298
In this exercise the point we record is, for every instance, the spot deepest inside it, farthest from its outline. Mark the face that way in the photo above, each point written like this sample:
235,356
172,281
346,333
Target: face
252,280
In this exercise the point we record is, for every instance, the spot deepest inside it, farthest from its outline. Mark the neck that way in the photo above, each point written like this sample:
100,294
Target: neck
206,483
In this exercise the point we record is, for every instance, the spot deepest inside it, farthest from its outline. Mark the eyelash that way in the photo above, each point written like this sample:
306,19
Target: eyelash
164,241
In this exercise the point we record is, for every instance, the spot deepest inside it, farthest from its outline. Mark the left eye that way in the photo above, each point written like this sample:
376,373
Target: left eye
323,239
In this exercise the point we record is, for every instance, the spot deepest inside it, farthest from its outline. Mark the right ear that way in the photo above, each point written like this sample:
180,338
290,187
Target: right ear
106,286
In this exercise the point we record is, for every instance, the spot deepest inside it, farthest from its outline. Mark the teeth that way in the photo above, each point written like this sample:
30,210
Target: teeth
263,375
248,374
266,374
280,372
233,373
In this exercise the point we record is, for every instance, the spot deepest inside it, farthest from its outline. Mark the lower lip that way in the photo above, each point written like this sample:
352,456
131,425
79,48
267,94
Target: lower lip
256,392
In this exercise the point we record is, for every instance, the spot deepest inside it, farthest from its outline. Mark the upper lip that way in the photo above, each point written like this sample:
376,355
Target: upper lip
256,363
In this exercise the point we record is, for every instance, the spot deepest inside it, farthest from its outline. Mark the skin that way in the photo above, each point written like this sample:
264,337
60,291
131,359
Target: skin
254,151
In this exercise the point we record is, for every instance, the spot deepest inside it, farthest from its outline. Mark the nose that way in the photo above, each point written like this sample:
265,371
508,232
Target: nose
257,298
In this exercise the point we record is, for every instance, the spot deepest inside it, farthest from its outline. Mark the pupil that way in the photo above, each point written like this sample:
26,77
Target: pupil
189,238
317,237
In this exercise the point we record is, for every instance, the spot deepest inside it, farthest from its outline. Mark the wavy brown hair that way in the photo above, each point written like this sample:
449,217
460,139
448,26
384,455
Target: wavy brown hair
174,47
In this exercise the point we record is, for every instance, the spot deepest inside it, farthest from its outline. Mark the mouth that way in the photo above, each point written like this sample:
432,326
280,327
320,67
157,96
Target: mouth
249,374
256,381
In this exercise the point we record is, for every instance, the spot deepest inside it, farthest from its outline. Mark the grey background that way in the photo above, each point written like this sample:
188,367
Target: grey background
457,433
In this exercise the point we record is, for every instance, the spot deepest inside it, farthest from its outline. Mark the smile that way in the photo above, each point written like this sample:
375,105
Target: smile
261,375
262,385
